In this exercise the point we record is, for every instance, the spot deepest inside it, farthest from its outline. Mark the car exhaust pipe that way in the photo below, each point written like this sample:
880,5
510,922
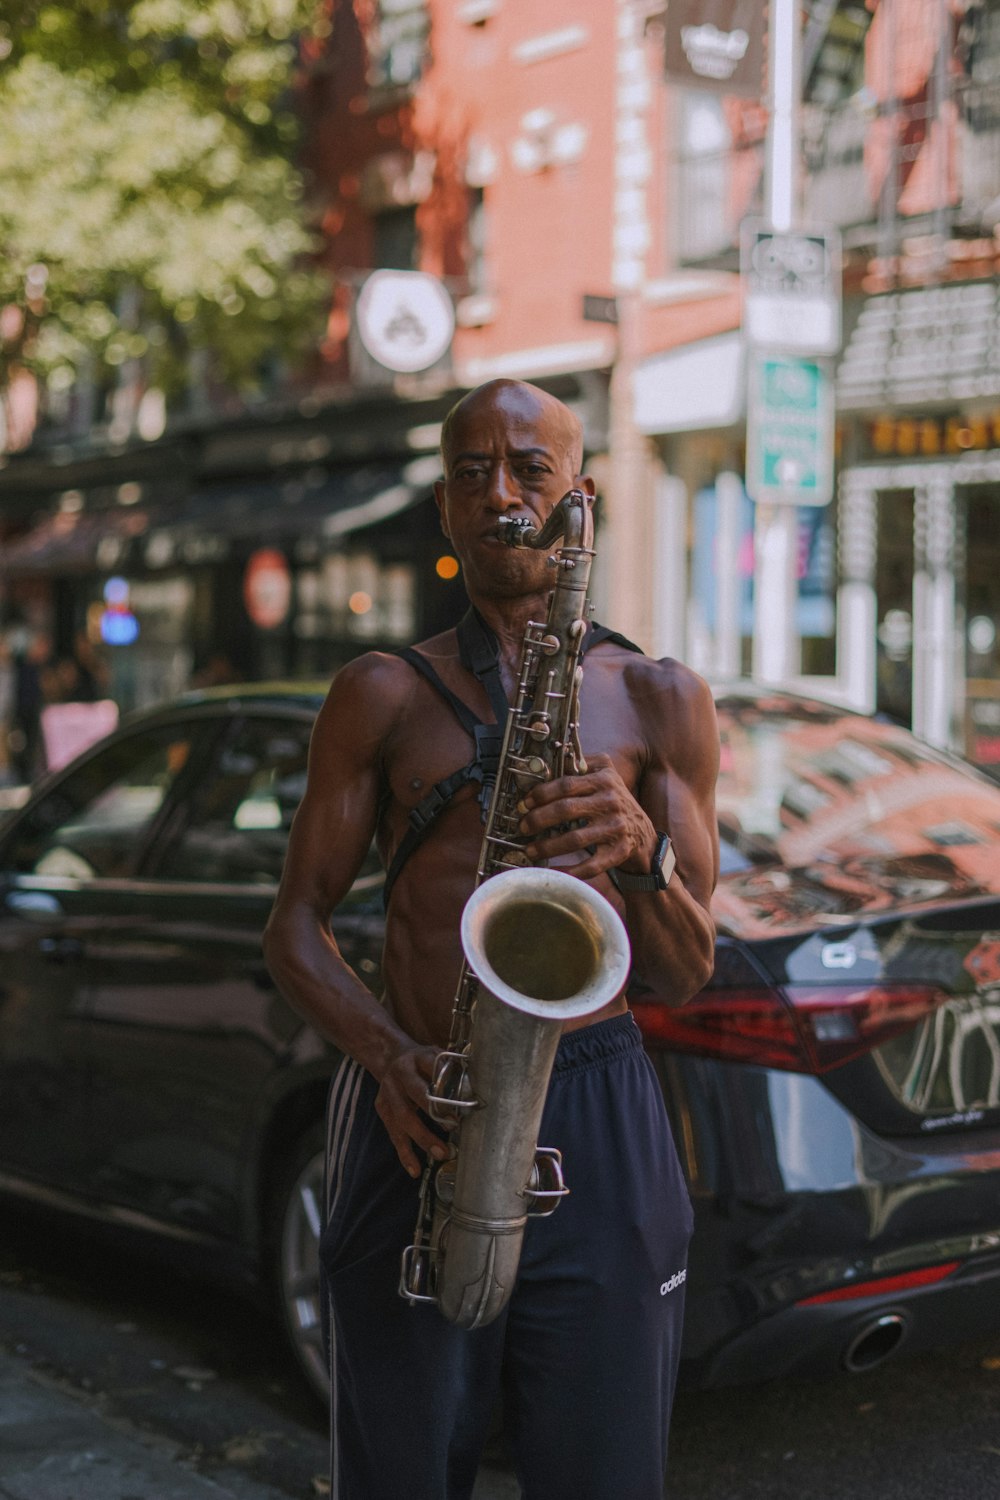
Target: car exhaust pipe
875,1342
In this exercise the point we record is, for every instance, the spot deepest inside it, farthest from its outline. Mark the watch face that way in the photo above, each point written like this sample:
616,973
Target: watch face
664,860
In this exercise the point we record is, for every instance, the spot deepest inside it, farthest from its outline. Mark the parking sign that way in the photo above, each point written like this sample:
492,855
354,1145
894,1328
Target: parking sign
791,288
789,430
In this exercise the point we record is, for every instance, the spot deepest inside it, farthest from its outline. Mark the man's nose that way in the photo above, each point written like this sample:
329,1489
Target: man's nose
502,491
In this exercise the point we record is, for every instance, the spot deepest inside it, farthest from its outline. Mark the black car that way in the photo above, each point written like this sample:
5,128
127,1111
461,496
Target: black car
834,1092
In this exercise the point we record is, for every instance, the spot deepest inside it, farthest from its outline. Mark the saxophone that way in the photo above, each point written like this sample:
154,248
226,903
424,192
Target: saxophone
540,948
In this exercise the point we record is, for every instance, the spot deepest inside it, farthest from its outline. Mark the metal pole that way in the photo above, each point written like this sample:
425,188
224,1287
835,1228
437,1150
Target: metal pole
782,179
775,638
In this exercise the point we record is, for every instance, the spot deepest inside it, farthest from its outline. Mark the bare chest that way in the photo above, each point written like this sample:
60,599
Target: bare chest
430,745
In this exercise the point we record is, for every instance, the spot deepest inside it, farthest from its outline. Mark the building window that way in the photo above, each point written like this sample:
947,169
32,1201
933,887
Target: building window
704,225
398,44
395,246
476,243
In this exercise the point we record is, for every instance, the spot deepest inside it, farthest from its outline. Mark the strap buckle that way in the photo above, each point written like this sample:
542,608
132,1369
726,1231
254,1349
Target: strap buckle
427,809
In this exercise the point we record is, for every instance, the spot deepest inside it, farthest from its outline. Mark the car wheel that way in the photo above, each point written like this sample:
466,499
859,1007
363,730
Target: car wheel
296,1219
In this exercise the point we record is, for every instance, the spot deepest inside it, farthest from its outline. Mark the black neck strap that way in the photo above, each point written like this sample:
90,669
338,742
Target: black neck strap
479,653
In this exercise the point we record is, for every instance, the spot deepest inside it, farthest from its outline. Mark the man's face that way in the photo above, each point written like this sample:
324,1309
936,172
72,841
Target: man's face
511,452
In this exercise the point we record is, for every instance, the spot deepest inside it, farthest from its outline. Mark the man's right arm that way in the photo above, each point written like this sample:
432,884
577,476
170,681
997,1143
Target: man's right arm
330,837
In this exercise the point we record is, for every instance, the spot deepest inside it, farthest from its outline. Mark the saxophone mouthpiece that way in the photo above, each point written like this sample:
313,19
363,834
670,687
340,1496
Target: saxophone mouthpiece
515,530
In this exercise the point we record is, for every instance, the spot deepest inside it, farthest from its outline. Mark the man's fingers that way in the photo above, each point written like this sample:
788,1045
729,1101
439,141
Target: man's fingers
408,1160
413,1136
406,1127
588,784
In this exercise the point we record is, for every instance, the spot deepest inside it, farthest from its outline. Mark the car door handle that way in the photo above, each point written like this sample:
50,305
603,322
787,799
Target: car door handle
34,906
60,950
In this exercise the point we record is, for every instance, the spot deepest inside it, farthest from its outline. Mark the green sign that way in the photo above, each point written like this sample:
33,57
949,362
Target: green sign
789,430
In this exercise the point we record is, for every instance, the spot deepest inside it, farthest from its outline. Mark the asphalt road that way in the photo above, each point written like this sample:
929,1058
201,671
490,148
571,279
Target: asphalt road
194,1364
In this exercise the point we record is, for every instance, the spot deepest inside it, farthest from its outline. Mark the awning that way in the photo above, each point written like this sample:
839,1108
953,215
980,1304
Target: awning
69,541
322,504
696,386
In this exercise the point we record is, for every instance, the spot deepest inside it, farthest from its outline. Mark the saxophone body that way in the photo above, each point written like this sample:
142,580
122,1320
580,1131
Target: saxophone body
540,948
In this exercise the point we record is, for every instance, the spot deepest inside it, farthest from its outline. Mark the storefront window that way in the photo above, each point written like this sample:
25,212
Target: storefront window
704,221
355,597
722,584
155,662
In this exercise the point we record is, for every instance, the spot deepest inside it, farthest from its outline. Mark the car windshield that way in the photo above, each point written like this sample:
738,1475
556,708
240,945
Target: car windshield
825,814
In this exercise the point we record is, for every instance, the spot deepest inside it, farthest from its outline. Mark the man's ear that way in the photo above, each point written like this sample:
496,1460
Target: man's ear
439,501
585,482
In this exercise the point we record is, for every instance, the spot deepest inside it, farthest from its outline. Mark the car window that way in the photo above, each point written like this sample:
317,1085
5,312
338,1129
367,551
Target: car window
91,825
836,814
239,814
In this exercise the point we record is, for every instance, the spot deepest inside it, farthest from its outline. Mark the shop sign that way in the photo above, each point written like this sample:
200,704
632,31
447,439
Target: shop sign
926,434
790,424
405,320
267,588
791,288
716,44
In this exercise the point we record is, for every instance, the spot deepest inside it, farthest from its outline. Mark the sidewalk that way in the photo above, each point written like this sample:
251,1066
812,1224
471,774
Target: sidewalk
57,1445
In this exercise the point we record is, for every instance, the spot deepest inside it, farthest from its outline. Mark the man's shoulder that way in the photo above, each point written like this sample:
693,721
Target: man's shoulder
662,673
383,682
370,692
373,672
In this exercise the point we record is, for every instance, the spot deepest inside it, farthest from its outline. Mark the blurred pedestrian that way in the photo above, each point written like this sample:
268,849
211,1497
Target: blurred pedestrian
32,659
8,693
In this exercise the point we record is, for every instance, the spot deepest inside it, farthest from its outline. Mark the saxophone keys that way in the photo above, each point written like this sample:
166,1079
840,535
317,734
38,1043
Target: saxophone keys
450,1096
415,1275
546,1185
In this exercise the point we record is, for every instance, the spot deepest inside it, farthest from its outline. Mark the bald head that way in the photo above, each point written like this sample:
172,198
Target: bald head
521,402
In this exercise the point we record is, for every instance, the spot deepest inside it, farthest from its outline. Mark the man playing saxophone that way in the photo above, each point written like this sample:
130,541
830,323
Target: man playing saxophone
585,1352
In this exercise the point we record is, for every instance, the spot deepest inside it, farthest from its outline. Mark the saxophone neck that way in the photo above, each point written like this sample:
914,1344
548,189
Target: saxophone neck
572,519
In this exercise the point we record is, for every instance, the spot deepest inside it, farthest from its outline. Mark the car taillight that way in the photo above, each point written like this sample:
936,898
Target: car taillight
883,1286
801,1028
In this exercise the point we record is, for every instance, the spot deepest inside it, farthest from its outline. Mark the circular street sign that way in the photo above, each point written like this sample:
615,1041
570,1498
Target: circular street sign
405,319
267,588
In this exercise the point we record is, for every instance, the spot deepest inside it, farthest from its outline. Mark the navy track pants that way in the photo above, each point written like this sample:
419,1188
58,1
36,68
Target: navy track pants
586,1351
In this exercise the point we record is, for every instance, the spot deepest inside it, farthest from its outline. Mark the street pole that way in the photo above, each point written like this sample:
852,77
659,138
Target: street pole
776,650
626,560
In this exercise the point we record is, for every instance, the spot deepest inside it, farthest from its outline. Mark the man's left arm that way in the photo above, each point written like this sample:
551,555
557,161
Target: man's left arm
671,930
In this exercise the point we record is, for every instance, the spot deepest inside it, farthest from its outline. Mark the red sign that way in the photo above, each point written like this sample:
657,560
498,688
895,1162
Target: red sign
267,588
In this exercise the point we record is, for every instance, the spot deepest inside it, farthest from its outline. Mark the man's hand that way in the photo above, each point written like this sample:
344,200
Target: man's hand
401,1097
605,821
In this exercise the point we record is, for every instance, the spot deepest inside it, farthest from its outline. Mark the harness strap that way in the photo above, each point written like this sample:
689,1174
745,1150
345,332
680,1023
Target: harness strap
462,711
598,633
482,768
479,653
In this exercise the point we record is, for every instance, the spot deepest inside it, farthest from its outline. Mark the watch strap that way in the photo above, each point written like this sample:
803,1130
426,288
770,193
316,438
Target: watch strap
661,869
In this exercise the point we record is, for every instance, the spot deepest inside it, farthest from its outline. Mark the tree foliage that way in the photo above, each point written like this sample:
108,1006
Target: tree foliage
150,203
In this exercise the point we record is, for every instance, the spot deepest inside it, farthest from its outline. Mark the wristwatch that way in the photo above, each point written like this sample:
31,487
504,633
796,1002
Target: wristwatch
660,871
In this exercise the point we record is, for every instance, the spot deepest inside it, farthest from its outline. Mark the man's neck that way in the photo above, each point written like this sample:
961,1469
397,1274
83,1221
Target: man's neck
509,619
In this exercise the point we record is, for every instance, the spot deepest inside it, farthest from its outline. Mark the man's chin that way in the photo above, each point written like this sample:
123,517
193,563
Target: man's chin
513,577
